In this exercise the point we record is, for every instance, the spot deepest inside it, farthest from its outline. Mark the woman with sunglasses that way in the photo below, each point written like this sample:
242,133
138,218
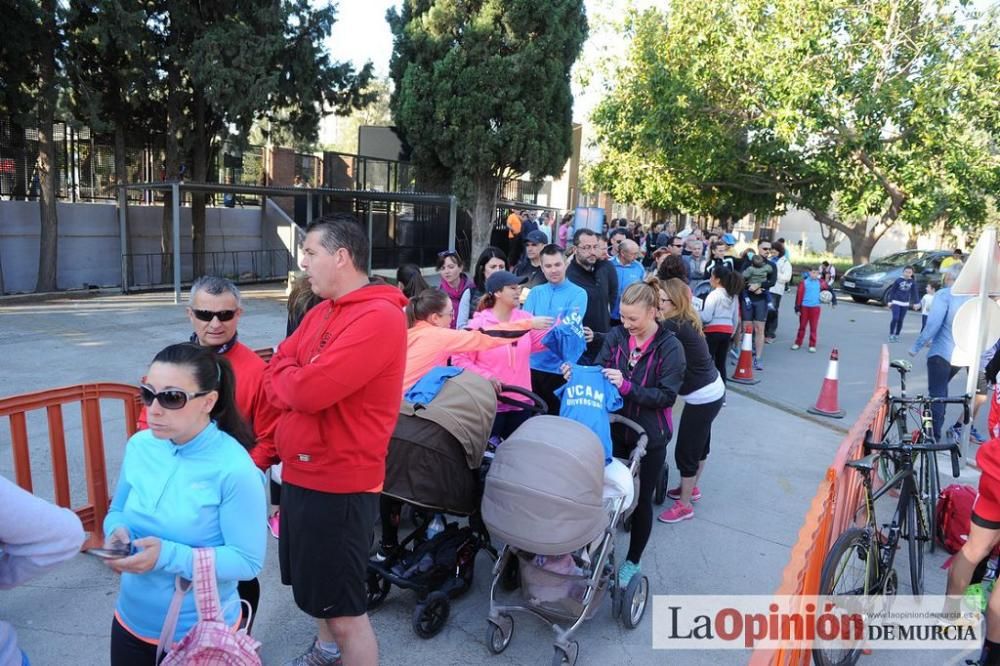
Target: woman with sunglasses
187,482
645,362
456,284
491,260
703,391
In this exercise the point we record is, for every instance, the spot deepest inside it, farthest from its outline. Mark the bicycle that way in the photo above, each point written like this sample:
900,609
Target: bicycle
860,562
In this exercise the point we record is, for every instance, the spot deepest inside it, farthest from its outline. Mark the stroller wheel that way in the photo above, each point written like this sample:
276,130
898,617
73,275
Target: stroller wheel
634,601
378,590
566,657
510,577
660,495
430,615
498,635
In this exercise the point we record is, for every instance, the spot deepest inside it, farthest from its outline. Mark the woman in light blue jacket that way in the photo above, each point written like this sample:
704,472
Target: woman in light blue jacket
188,482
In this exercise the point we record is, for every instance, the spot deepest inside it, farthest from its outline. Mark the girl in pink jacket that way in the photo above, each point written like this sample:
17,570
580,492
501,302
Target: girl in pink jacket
503,365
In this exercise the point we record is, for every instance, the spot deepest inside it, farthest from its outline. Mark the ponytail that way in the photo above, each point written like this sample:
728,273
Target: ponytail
486,302
730,280
423,305
212,372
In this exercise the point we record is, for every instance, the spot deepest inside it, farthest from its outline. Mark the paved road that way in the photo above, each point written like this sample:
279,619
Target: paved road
765,467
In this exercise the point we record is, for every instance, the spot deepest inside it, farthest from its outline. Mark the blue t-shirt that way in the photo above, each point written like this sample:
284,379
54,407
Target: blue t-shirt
566,340
564,301
588,398
627,275
428,386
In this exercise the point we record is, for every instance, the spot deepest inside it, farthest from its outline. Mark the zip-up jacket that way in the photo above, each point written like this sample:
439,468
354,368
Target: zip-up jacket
721,312
784,276
337,381
510,365
601,285
651,387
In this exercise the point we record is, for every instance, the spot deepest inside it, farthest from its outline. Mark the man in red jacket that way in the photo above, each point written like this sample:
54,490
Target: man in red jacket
337,381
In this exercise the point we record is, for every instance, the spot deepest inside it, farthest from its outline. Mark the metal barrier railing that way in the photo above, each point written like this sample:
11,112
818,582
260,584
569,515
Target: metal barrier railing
16,410
832,510
153,269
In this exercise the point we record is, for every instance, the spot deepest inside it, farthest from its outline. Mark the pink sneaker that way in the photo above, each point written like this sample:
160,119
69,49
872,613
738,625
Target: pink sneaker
676,514
675,493
273,524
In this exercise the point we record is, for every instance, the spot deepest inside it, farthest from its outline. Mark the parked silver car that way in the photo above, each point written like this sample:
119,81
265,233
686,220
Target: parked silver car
872,281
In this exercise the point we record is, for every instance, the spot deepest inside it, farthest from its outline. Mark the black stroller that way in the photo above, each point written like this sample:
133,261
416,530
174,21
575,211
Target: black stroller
433,465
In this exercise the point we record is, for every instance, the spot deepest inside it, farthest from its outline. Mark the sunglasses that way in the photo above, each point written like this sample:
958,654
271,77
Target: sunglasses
169,399
209,315
447,253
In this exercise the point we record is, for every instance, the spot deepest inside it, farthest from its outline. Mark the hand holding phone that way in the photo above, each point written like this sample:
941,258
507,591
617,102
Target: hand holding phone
109,553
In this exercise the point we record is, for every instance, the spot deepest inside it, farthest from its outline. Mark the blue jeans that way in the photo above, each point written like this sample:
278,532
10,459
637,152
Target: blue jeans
939,374
898,315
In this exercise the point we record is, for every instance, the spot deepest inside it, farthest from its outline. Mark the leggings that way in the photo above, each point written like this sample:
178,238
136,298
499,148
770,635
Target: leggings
650,473
718,348
389,510
898,315
694,436
127,650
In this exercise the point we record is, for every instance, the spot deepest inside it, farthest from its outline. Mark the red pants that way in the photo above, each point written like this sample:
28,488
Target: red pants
808,315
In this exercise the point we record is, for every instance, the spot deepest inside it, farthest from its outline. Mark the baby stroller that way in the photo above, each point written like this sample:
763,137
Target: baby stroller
433,465
545,499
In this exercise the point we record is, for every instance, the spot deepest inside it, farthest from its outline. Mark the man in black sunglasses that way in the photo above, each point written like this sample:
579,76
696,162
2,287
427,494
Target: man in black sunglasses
214,309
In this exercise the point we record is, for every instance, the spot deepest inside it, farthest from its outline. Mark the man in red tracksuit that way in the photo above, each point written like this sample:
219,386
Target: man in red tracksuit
337,381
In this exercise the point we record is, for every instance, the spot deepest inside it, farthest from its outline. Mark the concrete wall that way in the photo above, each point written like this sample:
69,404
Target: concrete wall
90,248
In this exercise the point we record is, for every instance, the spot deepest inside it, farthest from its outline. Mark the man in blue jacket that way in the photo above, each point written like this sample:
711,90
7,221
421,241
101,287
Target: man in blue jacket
566,302
938,335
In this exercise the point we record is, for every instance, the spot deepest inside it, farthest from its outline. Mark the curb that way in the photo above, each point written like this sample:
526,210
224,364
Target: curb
788,408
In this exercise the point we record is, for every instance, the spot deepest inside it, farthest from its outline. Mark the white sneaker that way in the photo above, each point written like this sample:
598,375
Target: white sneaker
796,346
812,350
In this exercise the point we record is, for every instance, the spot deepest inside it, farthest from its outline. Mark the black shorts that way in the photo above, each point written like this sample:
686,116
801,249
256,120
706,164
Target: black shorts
755,310
323,549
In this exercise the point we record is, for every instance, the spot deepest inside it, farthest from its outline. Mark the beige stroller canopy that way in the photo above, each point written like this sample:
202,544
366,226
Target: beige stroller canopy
544,491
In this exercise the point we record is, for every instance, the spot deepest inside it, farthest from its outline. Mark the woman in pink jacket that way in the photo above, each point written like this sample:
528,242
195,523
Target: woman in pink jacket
503,365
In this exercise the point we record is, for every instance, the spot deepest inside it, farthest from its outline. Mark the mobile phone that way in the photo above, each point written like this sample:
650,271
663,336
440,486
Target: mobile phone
109,553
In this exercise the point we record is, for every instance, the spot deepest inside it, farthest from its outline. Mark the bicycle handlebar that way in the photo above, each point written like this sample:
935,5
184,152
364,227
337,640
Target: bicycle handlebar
947,400
930,448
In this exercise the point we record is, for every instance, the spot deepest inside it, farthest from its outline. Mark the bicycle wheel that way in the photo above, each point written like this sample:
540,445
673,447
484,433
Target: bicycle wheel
930,487
850,568
915,544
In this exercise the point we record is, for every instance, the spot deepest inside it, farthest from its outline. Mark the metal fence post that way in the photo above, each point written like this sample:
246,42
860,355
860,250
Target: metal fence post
123,234
176,194
371,239
452,221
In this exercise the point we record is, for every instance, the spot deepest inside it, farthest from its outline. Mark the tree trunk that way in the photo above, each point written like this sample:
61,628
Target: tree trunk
199,175
912,236
171,167
483,216
862,244
49,238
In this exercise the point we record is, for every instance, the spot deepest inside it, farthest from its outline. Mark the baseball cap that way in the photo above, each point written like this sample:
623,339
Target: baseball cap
501,279
536,237
729,239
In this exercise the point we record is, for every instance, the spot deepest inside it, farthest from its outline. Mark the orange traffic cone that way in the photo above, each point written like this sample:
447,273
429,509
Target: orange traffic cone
744,368
827,404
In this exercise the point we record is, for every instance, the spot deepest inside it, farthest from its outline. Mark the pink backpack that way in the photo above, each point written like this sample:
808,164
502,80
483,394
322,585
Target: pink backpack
210,642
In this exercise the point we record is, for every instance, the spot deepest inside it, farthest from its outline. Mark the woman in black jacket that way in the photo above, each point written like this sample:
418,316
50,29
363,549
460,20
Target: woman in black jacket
646,362
703,391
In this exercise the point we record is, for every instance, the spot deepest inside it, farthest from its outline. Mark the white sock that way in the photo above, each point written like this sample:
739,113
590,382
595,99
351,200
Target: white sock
330,647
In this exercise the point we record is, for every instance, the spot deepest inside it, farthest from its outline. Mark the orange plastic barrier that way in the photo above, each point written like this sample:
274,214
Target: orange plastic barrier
89,396
833,509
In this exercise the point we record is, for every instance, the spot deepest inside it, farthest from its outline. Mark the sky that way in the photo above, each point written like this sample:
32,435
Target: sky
361,34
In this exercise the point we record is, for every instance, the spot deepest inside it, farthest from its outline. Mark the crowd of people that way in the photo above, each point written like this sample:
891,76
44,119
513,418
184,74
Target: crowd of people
654,314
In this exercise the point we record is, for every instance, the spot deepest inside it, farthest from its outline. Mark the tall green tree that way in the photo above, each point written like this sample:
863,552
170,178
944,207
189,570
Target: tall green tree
879,105
30,84
482,92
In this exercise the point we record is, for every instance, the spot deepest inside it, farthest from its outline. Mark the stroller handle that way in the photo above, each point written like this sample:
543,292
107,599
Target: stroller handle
537,406
640,446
